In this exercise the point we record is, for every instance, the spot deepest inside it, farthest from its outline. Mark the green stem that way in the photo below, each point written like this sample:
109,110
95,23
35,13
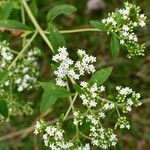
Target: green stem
118,112
37,26
105,100
23,21
70,107
13,51
85,136
23,50
71,31
79,30
115,103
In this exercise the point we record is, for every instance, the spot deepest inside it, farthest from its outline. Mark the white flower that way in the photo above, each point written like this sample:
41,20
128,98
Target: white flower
58,135
104,146
50,130
6,83
113,137
125,34
75,113
20,88
106,106
110,20
81,52
122,42
125,91
37,127
92,103
84,84
124,12
118,88
142,23
129,101
85,102
138,95
45,137
102,115
125,28
36,131
94,88
128,126
102,88
52,146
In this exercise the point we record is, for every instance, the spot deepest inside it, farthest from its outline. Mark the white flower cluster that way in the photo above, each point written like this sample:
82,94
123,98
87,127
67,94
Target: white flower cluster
100,137
53,137
26,72
128,97
78,118
23,75
91,94
39,127
69,68
103,138
123,22
6,55
91,97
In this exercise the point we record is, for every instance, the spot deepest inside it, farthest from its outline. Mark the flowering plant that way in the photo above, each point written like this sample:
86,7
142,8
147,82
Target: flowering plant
76,79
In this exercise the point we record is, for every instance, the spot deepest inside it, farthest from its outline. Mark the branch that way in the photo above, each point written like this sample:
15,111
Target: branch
23,50
28,130
35,23
79,30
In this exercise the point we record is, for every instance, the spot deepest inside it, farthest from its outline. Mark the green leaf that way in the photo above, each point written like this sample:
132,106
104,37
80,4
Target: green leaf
54,66
100,76
47,101
3,108
118,17
60,9
55,90
3,76
61,118
56,38
34,7
114,45
13,24
6,10
99,25
51,93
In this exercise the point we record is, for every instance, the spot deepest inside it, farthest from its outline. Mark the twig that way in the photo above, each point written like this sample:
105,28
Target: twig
23,50
70,107
37,26
27,131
